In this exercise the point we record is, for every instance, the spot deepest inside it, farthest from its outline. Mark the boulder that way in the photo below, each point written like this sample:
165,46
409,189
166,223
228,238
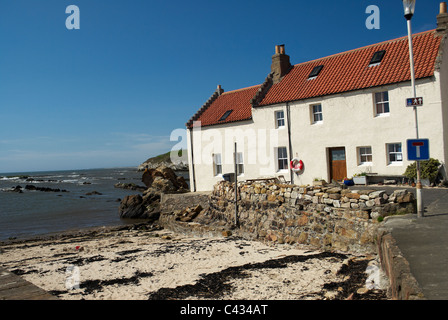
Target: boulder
164,179
138,207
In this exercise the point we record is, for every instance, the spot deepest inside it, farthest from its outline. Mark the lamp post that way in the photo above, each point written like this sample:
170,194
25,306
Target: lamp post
409,8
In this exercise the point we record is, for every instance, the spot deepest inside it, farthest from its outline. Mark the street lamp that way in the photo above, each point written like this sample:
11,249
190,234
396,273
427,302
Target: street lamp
409,8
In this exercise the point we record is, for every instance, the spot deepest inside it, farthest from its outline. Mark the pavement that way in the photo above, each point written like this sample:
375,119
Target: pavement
424,241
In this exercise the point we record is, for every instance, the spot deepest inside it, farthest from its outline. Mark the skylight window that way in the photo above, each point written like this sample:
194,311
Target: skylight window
377,58
315,72
225,115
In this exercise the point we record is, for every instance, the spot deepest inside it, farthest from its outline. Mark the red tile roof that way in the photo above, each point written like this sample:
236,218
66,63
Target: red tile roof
342,72
237,100
350,70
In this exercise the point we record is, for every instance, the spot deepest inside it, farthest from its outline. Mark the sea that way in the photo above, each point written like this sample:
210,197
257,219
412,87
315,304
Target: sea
87,198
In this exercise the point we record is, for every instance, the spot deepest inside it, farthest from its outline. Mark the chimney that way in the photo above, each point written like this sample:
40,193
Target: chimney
219,90
442,18
280,63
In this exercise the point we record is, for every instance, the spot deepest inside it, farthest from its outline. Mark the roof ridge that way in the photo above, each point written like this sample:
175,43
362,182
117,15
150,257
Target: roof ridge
367,46
241,89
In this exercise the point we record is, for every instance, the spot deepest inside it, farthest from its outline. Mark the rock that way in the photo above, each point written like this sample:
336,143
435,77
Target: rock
407,197
334,196
352,195
131,207
334,190
336,203
370,203
188,214
94,193
137,207
376,194
130,186
43,189
164,179
226,233
362,290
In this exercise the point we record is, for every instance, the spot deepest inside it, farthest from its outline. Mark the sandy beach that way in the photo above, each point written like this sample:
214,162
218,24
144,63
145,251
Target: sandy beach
153,263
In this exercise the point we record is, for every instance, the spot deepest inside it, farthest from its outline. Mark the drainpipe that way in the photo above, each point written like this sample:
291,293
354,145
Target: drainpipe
192,160
291,174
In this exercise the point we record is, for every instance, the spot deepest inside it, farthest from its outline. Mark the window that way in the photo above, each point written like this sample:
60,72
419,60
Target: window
394,153
240,163
364,155
217,164
280,119
381,103
317,115
315,72
282,158
225,115
377,58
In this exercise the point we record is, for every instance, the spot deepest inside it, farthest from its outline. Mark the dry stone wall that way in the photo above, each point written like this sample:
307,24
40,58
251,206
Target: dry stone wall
327,217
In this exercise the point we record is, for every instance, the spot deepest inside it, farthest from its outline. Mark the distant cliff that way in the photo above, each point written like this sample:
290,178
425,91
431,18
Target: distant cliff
165,160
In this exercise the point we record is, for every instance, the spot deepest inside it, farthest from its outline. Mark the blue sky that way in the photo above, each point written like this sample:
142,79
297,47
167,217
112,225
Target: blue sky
111,93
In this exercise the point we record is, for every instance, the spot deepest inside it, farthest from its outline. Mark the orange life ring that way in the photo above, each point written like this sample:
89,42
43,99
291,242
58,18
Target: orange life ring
296,165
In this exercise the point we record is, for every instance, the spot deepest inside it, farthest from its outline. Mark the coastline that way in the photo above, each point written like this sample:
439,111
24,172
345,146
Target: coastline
144,261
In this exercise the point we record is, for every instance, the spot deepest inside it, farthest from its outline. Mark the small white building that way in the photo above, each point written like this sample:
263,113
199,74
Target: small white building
342,115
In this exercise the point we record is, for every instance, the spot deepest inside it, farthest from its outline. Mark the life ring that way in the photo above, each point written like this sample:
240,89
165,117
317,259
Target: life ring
296,165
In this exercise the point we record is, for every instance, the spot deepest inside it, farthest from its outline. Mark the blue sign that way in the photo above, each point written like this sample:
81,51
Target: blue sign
414,102
418,149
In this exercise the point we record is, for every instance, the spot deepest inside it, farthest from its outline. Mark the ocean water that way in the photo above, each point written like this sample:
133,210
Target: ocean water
34,213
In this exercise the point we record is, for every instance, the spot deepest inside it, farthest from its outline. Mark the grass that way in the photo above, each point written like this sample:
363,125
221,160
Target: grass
165,157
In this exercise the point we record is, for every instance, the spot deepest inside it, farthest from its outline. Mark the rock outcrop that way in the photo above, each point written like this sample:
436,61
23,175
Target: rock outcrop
164,179
147,206
141,207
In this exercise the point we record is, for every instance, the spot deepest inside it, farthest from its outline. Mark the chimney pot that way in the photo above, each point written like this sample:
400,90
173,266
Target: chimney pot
442,18
442,7
282,49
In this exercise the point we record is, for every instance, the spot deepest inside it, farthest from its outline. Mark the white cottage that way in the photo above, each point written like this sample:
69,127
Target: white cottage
340,115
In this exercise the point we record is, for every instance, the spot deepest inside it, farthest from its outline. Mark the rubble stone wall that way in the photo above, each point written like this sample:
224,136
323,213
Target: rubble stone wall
326,217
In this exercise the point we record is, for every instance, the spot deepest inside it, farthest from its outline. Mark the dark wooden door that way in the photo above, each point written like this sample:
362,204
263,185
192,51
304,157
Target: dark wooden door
338,165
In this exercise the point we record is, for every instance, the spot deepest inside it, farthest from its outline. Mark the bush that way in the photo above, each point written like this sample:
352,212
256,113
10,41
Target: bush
429,169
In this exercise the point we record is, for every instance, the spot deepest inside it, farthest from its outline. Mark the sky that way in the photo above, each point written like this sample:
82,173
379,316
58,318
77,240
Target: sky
120,88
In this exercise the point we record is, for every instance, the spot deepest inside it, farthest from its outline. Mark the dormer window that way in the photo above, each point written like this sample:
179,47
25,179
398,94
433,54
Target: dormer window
315,72
225,115
377,58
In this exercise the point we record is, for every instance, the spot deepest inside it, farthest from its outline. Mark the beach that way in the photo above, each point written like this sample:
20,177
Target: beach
148,262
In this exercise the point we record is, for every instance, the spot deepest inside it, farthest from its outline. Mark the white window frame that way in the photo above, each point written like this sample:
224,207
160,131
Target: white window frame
398,155
318,113
239,163
381,103
282,159
280,121
364,152
217,164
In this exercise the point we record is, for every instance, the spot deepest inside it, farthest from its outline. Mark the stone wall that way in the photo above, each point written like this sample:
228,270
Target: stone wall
402,283
326,217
